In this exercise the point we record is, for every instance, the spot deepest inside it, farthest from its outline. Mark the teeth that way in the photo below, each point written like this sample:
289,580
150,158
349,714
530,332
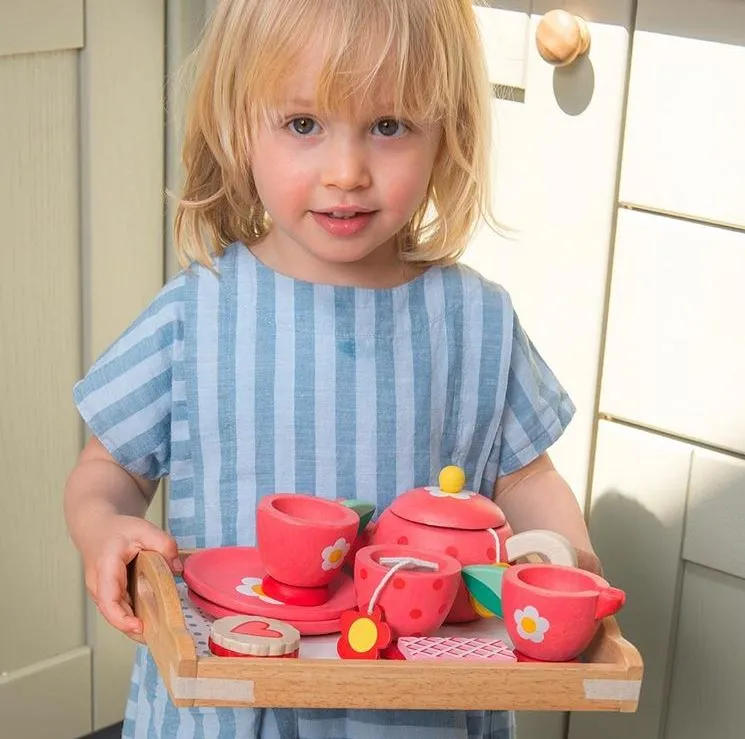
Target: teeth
343,215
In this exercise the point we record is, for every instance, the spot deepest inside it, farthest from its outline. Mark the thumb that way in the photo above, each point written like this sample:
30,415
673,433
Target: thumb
157,540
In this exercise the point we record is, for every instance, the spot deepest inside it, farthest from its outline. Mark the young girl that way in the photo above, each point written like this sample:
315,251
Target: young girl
322,338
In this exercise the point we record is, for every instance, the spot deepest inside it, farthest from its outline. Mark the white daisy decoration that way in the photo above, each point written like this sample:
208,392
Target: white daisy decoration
436,492
252,587
334,555
530,624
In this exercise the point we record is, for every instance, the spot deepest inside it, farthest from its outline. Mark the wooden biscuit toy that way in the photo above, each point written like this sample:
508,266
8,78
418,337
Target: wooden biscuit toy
253,636
474,649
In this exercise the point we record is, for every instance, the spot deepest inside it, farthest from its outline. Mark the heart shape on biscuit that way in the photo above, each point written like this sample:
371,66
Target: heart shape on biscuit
256,628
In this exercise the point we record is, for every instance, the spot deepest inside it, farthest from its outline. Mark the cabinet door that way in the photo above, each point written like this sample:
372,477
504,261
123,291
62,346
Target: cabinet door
667,521
556,155
684,152
43,648
123,155
706,686
637,519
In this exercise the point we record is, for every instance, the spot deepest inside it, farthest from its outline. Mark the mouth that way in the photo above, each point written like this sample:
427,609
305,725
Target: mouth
344,214
346,222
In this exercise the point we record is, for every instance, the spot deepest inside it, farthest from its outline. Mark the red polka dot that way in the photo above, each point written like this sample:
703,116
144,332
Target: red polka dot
437,584
363,574
415,613
398,583
491,554
403,540
452,551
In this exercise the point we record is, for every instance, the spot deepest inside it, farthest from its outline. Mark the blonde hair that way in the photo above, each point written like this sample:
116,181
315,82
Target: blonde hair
426,52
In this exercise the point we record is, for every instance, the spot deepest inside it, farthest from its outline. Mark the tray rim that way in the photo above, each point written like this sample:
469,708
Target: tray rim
610,679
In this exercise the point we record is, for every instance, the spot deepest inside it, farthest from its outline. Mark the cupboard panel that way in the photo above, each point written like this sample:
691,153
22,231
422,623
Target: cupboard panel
716,513
41,608
674,359
683,152
706,697
49,700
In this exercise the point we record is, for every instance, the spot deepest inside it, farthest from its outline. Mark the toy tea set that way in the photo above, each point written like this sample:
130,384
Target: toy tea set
437,555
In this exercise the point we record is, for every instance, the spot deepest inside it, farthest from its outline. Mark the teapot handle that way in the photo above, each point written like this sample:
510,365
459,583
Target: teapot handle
551,547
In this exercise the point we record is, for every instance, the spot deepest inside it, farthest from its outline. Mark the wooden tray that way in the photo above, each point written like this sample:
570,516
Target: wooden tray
608,680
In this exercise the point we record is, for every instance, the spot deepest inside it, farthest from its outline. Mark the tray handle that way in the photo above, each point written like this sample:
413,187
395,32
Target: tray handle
156,601
609,646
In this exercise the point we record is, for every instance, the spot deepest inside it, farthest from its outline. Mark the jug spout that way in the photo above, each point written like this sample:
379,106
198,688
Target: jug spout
610,601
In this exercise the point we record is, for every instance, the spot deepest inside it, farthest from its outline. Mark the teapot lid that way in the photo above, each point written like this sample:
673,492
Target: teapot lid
448,505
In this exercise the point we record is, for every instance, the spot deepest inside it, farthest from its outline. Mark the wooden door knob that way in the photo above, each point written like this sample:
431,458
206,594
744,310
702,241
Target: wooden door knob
562,37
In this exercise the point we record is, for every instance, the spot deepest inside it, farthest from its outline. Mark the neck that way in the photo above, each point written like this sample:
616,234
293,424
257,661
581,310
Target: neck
381,269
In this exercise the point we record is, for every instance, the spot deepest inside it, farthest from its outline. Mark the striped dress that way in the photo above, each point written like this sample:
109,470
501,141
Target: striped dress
245,383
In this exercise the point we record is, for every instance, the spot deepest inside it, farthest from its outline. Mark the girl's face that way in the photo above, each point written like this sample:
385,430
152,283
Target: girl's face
339,188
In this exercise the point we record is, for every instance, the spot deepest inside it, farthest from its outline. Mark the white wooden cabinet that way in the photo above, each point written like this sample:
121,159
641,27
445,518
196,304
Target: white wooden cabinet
668,492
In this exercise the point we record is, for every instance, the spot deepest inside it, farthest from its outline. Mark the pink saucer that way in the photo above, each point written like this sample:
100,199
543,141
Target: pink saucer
232,577
306,628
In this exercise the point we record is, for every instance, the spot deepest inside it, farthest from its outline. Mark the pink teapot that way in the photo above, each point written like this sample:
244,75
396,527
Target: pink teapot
465,525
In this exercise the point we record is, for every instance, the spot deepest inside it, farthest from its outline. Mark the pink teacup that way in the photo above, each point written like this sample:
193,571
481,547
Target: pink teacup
551,612
303,541
415,599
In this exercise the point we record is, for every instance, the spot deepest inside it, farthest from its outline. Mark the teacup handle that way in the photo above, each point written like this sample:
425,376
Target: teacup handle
548,545
610,601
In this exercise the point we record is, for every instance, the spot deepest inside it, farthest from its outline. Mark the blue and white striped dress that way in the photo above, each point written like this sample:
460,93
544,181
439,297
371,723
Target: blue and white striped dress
249,383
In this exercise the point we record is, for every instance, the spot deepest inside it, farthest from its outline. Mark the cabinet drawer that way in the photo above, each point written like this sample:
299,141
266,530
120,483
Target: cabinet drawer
716,513
684,150
675,357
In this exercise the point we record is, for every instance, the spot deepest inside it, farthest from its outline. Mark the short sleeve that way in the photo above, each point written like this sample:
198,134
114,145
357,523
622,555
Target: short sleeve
537,409
125,398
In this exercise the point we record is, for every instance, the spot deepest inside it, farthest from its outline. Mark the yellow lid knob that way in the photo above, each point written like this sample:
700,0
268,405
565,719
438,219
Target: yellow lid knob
452,479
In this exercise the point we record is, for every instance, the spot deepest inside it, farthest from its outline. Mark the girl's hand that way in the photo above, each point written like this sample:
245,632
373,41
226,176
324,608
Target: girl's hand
589,561
117,541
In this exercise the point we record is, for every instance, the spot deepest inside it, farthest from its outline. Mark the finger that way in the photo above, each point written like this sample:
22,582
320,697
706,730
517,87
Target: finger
112,578
137,634
134,636
159,541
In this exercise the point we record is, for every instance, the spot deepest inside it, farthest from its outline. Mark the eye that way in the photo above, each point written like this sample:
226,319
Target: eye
390,127
303,125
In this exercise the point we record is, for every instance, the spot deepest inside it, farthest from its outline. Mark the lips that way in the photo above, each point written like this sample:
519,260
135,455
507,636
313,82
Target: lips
346,222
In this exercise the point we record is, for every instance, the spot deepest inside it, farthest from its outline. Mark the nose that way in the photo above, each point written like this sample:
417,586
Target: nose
346,165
